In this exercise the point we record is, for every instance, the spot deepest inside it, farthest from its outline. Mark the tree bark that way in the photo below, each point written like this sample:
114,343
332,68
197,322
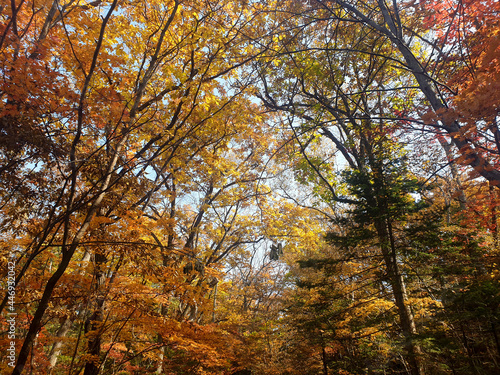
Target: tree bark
93,325
40,312
387,243
408,327
56,348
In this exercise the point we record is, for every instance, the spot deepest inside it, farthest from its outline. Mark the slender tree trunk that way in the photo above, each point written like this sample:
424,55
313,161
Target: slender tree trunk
215,303
494,216
470,354
36,323
56,348
159,368
65,327
166,259
396,280
93,325
323,357
495,336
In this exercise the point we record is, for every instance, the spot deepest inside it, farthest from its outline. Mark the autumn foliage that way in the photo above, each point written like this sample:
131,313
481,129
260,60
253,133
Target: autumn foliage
244,187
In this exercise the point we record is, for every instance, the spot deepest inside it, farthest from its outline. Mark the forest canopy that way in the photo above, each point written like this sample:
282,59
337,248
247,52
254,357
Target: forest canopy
250,187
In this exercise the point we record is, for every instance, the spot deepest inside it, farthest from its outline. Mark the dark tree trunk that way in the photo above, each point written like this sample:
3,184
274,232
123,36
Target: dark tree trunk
93,325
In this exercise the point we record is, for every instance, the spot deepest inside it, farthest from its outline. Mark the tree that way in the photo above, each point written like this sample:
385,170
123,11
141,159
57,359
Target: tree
470,138
98,130
311,88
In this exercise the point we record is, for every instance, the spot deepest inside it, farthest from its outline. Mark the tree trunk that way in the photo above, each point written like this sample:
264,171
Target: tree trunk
65,326
93,325
56,348
36,323
408,327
